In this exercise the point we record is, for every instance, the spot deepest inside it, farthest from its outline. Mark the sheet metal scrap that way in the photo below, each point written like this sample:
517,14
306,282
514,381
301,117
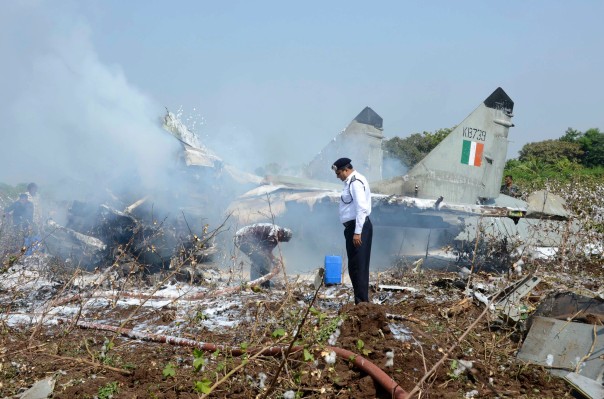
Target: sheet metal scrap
563,347
83,250
385,287
586,386
572,306
509,303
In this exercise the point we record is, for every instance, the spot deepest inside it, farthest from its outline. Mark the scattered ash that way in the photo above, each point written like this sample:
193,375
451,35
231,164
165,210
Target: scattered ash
404,332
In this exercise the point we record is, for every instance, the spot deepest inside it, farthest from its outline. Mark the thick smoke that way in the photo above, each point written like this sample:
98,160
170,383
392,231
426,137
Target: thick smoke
68,118
393,167
75,124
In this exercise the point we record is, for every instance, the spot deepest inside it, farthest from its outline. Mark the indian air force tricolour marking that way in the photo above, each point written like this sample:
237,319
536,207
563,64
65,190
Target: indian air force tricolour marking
471,153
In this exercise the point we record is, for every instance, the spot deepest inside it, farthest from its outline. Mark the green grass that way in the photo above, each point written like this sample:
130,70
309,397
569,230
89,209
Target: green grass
536,174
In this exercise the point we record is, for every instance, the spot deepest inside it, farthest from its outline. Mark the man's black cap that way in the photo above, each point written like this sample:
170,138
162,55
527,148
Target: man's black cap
340,163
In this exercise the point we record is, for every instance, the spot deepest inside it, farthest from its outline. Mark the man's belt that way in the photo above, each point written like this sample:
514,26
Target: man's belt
353,222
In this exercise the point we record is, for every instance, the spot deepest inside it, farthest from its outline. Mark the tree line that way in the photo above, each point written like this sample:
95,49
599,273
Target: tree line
574,154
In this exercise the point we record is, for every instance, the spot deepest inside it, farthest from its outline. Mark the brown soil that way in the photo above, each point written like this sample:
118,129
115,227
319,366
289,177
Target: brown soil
435,316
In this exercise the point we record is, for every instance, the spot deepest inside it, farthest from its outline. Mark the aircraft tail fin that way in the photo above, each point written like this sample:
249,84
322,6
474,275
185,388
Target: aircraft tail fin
468,164
361,141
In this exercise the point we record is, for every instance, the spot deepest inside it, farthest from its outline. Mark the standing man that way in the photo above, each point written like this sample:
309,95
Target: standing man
355,208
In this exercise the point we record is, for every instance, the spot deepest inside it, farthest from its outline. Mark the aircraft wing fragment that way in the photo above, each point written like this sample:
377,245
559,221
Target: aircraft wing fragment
269,200
199,156
259,203
426,205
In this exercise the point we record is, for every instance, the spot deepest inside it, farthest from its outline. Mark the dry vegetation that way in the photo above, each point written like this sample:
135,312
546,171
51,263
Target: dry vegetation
104,334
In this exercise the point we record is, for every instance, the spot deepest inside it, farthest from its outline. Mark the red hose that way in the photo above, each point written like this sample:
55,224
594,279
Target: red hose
374,371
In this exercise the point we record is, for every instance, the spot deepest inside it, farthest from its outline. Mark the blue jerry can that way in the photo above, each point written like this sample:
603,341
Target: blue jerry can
333,269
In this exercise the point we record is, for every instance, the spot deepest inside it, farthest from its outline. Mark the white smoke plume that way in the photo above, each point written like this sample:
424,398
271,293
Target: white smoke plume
67,116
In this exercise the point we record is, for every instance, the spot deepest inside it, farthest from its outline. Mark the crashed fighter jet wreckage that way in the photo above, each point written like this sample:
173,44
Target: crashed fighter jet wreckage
442,202
438,210
140,235
427,204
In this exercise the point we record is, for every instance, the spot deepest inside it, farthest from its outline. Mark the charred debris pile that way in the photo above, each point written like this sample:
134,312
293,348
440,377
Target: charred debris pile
136,239
139,229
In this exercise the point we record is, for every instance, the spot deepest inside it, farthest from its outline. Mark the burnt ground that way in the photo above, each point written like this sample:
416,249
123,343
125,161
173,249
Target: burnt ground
419,324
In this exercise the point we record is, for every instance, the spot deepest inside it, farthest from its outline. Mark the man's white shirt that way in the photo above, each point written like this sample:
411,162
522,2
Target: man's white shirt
355,200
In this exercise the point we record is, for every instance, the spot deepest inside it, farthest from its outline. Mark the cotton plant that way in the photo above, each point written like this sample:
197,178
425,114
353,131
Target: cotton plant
261,380
333,338
289,395
329,356
389,359
462,366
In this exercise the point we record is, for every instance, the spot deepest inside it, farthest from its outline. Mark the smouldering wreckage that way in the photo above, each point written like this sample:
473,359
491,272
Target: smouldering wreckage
137,231
439,210
428,202
447,209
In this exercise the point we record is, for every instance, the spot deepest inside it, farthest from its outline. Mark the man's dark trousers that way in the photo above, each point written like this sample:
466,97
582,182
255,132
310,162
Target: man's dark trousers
358,259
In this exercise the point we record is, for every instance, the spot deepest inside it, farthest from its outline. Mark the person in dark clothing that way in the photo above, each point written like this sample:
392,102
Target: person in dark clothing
32,189
509,188
257,241
355,208
22,212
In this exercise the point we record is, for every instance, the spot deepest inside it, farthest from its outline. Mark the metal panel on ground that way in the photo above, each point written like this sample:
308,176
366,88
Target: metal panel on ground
562,345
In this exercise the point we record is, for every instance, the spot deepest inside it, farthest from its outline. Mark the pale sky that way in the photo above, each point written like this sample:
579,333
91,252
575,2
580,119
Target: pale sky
84,82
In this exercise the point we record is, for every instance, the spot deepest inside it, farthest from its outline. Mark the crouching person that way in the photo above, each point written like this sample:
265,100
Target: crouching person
257,241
